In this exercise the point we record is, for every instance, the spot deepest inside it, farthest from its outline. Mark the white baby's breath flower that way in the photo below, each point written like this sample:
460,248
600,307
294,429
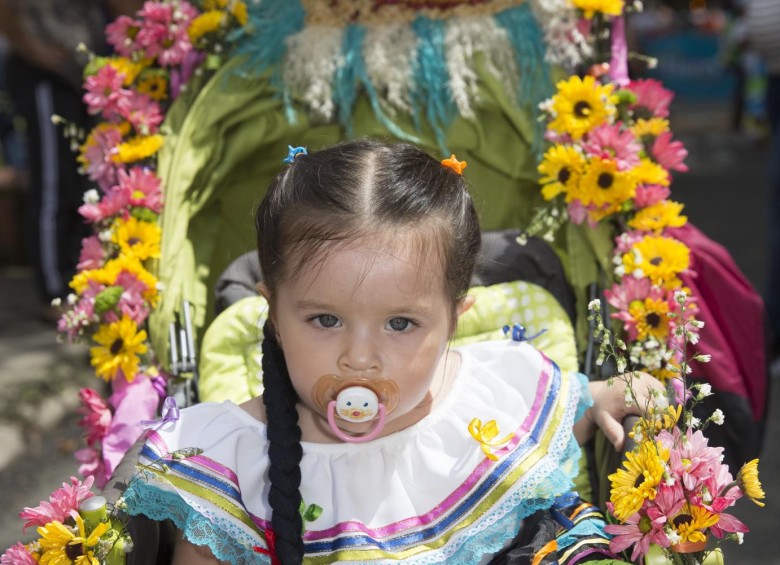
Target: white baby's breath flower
694,422
56,302
627,397
600,360
638,273
717,417
594,305
673,536
680,297
105,236
91,196
72,299
620,271
740,537
697,324
701,358
621,365
705,390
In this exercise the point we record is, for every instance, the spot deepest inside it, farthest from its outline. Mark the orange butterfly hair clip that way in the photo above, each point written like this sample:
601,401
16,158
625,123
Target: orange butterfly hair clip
454,164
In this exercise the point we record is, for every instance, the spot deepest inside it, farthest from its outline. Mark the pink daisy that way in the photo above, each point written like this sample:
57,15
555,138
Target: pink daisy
625,241
104,90
97,415
96,159
653,99
143,186
692,460
164,32
640,530
121,35
141,111
79,318
112,204
17,555
61,503
669,154
649,194
609,142
92,254
131,301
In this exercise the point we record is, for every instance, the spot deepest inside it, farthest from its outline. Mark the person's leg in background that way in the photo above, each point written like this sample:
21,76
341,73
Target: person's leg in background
773,280
53,227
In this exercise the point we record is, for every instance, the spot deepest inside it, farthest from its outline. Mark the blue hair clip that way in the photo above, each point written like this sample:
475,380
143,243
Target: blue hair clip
518,332
293,153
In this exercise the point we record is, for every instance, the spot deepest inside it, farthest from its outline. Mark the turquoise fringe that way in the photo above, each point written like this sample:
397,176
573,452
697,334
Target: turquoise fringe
262,45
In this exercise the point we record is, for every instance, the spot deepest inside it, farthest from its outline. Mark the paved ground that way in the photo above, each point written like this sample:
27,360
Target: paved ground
725,195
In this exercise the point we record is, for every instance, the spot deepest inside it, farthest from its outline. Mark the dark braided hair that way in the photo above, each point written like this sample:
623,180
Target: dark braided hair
284,451
334,197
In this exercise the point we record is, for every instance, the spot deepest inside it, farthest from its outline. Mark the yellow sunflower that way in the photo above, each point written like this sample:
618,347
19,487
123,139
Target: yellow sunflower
606,7
129,68
561,168
691,523
603,185
138,148
664,214
205,23
748,482
661,259
581,105
652,318
130,264
154,85
80,281
651,128
648,172
120,344
61,546
137,238
631,486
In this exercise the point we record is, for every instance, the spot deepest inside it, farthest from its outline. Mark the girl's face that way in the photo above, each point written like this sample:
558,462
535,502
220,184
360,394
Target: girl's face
374,309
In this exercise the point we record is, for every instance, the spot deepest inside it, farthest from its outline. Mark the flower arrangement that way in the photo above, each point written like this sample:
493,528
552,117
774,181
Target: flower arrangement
157,52
74,526
609,163
673,489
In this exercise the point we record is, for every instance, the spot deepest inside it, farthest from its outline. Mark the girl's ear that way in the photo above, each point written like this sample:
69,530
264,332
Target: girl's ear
464,305
264,291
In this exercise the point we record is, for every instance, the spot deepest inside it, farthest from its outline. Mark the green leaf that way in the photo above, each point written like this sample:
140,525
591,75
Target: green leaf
143,214
107,299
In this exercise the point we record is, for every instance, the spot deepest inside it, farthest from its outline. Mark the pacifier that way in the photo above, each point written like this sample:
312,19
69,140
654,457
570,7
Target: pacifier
357,401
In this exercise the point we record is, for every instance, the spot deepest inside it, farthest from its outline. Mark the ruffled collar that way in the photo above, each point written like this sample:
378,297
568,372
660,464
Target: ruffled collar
494,449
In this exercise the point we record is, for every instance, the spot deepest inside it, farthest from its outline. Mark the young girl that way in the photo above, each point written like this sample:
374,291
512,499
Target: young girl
374,441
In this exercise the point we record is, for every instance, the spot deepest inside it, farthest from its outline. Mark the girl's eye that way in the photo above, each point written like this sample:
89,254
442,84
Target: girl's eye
399,324
326,321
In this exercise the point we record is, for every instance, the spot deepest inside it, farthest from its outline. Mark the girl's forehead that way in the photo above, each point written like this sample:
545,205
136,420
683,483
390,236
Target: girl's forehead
382,261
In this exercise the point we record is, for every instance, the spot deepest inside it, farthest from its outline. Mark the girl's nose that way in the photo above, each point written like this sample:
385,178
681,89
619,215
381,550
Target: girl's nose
360,354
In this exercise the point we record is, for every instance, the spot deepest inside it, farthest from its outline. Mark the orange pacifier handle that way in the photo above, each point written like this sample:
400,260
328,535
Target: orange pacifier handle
356,404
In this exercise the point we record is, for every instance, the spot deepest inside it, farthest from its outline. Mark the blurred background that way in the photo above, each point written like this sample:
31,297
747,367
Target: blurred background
719,113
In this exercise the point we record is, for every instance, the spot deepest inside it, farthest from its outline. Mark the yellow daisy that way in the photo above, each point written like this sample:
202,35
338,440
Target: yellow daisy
664,214
748,482
137,238
130,264
656,420
652,318
239,11
91,140
581,105
129,68
661,259
691,523
137,148
154,85
205,23
561,168
631,486
603,185
648,172
120,344
652,127
606,7
61,546
80,281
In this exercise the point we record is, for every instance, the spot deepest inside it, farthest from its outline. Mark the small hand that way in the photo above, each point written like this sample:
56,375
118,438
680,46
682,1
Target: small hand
610,405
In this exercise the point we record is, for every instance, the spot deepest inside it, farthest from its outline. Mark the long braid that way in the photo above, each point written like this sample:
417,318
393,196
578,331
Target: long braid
284,451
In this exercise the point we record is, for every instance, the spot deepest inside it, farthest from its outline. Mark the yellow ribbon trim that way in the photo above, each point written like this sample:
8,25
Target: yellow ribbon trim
546,549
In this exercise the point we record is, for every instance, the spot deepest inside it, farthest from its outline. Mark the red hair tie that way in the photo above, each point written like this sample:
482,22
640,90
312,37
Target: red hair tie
270,540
